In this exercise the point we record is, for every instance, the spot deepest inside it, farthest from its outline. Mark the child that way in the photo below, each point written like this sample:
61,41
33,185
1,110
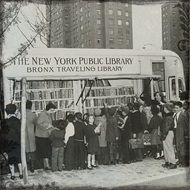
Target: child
12,125
154,127
57,139
92,140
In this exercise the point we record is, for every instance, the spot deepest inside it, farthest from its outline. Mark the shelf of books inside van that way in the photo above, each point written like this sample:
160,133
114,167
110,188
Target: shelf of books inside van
61,93
41,93
111,95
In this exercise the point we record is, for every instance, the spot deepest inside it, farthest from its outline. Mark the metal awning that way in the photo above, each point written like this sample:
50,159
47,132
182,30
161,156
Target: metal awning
76,77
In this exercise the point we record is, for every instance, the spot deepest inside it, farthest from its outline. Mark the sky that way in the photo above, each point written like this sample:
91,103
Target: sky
147,28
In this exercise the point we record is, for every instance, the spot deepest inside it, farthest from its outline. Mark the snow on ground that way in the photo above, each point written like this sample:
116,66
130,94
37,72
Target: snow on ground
104,176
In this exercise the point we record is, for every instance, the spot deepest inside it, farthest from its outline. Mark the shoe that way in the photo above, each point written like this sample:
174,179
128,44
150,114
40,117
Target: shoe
172,166
94,166
46,168
21,176
13,177
89,167
165,165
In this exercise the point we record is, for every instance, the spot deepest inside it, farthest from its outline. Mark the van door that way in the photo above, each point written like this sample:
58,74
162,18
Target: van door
173,88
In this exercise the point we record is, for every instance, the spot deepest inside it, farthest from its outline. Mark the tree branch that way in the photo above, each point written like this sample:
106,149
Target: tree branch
1,34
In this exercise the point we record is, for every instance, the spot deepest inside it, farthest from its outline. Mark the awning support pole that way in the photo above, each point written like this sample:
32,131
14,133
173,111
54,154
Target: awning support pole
23,135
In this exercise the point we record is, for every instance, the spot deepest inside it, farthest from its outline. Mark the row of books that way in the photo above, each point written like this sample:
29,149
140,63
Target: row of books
109,101
40,95
45,84
111,91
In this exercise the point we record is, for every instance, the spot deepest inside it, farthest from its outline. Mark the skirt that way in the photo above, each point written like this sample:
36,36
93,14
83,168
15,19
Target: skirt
43,147
14,155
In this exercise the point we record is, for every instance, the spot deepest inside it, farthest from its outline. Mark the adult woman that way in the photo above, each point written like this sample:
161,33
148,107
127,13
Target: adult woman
31,119
43,128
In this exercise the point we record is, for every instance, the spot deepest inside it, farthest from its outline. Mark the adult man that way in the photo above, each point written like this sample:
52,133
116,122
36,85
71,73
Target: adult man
180,128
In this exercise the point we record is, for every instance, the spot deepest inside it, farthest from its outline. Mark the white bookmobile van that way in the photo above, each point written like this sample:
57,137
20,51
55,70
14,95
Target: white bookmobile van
145,72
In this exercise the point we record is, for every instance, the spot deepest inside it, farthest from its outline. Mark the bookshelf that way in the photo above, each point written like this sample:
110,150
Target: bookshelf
112,96
41,92
64,95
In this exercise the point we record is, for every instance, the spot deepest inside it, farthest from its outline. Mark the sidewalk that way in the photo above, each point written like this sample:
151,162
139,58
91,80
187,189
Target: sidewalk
149,172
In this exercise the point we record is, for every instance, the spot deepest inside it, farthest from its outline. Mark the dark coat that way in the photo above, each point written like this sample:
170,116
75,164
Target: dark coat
138,122
80,130
57,138
13,138
126,131
155,129
92,139
168,124
112,131
182,127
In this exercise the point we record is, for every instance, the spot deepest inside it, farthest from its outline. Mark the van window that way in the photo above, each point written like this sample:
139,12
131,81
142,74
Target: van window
173,87
181,86
158,69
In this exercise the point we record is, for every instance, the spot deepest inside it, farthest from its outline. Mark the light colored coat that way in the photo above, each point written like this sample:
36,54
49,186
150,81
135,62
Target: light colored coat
43,121
103,126
31,119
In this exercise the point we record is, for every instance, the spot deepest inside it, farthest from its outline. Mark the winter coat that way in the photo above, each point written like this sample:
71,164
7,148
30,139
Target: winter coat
102,136
181,130
92,139
155,128
167,125
44,119
31,120
138,122
112,131
13,137
57,138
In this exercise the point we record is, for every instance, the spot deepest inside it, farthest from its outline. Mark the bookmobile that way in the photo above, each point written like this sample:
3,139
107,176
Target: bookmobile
84,79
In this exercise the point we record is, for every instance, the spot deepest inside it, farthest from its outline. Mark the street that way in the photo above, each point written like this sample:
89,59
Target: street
146,173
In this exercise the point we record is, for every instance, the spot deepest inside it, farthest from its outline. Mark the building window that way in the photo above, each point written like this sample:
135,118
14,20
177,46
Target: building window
98,21
82,27
99,31
119,12
110,12
126,14
111,41
81,18
81,9
111,31
82,45
127,23
120,32
119,22
98,12
126,4
111,21
120,41
98,41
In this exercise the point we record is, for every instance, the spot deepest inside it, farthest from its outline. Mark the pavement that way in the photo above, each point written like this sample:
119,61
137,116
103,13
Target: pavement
148,173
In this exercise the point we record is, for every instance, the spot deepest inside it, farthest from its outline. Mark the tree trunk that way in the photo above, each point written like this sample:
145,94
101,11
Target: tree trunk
23,127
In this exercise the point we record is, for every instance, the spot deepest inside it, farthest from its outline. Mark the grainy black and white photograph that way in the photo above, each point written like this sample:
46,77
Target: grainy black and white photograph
94,94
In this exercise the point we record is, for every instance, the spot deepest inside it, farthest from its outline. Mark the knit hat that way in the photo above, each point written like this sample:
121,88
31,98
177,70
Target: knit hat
169,106
10,108
97,112
125,109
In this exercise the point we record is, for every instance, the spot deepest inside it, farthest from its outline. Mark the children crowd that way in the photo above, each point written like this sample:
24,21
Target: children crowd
110,136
